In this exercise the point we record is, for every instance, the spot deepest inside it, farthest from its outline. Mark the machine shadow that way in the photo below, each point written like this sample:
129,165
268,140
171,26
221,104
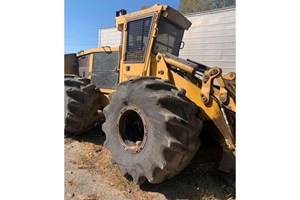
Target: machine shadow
199,179
95,135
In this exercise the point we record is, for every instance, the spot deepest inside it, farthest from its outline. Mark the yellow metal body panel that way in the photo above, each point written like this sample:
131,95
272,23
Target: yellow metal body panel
69,63
104,101
160,68
90,68
95,50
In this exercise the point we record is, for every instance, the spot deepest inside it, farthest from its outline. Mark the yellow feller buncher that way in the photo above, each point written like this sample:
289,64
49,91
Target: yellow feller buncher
157,106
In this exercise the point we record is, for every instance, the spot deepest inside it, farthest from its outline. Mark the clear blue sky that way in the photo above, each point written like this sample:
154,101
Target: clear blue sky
84,18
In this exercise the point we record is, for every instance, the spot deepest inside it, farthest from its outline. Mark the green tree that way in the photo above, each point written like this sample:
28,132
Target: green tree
190,6
144,7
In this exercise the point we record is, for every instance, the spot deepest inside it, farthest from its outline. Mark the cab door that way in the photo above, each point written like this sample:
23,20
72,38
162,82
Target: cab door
136,39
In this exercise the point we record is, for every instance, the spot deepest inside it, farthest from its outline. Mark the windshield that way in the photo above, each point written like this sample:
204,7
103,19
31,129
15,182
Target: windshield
168,39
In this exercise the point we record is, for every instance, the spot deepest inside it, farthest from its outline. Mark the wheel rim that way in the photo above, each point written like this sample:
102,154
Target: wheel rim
132,130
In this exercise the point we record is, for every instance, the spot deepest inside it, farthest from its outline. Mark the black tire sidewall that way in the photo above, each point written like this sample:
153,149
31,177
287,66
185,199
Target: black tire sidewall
145,106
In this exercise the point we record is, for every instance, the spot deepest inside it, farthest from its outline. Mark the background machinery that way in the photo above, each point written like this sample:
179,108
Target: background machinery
155,104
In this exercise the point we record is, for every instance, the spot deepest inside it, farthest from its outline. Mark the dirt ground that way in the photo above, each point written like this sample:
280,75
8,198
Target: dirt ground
89,175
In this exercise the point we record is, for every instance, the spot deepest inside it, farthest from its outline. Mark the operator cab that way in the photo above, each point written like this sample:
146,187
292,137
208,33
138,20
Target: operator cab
158,29
170,28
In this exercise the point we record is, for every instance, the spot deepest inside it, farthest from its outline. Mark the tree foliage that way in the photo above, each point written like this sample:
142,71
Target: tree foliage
144,7
190,6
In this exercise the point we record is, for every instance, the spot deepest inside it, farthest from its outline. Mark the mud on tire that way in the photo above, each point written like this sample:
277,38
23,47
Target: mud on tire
151,128
81,105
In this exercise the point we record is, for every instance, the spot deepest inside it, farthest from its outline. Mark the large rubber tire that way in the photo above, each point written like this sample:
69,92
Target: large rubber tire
167,136
82,102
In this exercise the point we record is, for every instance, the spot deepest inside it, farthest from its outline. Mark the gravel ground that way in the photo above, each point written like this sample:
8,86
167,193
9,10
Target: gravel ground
89,175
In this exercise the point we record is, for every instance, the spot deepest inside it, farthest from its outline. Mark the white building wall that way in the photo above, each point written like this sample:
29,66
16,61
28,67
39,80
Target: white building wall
210,40
109,37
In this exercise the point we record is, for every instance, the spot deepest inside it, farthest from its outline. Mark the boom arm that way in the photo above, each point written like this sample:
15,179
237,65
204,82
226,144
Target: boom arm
212,100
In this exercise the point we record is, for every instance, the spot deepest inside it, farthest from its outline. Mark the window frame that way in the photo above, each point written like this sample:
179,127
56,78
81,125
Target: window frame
148,38
166,20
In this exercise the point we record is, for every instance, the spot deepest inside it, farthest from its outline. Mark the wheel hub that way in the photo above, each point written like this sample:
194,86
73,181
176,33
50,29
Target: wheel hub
132,130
